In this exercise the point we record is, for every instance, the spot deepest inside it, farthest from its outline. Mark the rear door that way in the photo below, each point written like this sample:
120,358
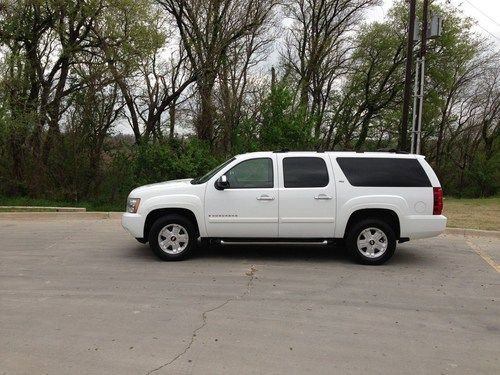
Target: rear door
306,196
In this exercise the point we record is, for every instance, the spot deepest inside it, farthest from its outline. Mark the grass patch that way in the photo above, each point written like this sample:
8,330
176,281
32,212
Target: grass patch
90,206
482,213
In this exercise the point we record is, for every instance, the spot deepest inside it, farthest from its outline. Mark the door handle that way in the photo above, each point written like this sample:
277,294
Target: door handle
265,198
322,196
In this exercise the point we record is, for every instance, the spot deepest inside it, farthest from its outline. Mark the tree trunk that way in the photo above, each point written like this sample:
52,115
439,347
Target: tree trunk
205,121
171,120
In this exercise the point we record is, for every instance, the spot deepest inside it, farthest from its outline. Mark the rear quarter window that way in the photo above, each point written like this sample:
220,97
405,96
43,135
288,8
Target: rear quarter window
384,172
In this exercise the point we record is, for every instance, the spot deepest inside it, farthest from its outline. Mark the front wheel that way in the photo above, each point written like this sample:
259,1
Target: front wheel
371,241
172,237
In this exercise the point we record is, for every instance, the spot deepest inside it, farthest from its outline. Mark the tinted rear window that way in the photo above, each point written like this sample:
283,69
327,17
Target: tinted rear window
385,172
301,172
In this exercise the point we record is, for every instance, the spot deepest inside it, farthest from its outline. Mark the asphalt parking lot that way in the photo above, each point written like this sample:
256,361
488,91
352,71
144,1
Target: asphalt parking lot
82,296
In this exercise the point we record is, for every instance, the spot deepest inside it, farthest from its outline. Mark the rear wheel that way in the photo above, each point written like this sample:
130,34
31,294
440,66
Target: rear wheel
172,237
371,241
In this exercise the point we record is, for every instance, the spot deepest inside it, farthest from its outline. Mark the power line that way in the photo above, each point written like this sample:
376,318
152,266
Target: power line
484,14
493,35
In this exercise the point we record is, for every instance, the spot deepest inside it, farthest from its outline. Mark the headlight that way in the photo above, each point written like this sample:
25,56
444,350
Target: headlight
133,205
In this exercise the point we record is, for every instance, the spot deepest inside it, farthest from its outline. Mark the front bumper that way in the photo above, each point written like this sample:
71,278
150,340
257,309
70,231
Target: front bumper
134,224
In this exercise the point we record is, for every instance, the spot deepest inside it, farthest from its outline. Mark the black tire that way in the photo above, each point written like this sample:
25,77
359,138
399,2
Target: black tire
360,255
165,222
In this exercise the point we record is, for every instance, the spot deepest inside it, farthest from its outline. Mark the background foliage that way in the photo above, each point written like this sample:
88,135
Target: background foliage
100,96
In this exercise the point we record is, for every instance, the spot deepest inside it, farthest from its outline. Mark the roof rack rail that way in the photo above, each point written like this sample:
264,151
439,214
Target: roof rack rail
288,150
393,150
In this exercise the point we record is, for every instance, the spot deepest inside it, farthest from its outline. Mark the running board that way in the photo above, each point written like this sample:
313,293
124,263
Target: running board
248,242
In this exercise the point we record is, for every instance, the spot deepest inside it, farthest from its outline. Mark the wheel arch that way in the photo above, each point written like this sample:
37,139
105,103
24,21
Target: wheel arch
159,212
388,215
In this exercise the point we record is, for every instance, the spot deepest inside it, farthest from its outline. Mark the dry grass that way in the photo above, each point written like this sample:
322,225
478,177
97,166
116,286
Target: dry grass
481,213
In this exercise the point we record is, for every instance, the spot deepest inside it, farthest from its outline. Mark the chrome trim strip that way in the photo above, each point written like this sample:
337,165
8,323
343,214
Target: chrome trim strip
222,242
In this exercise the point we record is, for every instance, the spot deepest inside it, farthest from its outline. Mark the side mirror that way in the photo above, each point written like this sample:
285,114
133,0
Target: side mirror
222,183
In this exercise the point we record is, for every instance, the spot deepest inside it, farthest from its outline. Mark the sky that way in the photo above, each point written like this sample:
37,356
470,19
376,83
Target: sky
485,12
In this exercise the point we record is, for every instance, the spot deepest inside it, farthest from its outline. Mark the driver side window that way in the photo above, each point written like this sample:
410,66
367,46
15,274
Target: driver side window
251,174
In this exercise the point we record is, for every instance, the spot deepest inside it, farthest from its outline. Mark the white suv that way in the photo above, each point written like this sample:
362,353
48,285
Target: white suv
368,201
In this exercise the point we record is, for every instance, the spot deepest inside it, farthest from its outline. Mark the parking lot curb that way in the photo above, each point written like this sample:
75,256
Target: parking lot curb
59,215
42,209
473,232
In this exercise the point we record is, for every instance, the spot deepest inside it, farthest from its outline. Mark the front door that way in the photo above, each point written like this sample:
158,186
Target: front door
307,196
248,207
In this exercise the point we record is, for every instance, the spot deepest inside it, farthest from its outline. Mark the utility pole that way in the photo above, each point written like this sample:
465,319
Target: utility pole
407,91
430,30
420,76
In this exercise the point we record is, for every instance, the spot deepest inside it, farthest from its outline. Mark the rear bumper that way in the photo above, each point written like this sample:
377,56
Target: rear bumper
134,224
423,226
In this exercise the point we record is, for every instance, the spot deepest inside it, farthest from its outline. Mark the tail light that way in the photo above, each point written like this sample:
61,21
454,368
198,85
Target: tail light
438,201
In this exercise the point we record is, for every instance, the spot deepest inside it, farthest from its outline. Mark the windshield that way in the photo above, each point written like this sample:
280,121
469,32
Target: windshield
209,175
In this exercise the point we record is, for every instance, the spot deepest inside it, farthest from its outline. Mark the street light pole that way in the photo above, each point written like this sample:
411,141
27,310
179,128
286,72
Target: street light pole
407,90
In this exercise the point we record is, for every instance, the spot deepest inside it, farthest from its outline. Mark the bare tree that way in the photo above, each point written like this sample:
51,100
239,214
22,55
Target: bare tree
149,85
377,79
477,109
207,30
163,85
50,35
317,48
489,115
237,81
